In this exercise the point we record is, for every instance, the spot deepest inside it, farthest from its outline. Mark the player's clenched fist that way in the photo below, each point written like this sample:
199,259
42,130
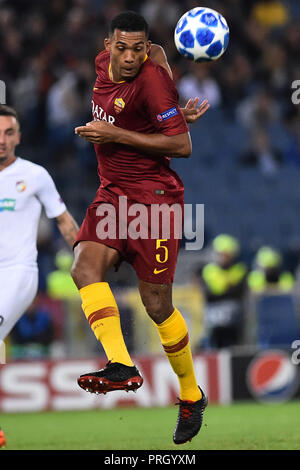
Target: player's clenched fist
97,132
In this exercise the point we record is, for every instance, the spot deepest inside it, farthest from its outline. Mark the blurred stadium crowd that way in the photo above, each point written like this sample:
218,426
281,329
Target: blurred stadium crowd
245,165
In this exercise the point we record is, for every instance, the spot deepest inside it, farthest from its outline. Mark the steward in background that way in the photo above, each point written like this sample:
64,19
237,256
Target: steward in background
223,282
269,273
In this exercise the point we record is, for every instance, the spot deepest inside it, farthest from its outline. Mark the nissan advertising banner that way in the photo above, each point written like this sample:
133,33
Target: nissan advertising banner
52,385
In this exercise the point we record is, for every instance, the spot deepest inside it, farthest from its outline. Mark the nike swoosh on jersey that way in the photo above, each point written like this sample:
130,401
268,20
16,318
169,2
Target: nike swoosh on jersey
158,271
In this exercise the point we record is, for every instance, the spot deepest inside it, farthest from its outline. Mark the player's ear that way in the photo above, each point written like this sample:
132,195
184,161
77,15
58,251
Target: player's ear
148,47
107,44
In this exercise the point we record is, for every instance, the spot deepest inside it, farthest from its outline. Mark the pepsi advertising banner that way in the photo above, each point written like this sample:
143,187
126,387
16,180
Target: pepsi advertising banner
266,376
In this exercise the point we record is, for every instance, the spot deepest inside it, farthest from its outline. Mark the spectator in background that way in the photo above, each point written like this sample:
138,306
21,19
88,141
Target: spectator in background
35,36
268,272
67,101
199,82
253,37
291,40
234,78
270,13
33,333
61,288
156,10
223,282
63,107
60,284
46,242
261,154
292,154
273,71
161,17
292,120
258,110
26,95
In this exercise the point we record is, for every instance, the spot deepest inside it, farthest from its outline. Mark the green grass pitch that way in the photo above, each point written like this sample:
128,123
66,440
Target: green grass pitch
249,426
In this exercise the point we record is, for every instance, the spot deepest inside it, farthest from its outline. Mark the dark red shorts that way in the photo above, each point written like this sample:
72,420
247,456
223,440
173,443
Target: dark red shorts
117,223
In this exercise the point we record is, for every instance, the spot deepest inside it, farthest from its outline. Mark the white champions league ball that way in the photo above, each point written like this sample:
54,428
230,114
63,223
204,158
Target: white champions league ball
201,35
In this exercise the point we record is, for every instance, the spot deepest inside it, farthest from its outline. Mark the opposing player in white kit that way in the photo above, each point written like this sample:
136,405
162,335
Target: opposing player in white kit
25,188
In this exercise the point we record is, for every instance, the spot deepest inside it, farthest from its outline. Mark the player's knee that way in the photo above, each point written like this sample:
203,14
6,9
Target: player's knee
75,273
157,308
83,274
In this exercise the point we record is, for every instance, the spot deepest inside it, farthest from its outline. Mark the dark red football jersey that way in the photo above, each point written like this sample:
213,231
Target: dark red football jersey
146,104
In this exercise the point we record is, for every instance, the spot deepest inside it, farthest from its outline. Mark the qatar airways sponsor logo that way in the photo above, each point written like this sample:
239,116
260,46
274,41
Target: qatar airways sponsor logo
152,221
100,114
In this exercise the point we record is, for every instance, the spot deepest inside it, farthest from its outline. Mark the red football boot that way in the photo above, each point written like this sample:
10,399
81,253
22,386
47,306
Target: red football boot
114,376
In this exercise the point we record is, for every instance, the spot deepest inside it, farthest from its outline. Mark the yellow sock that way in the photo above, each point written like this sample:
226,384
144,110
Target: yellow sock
174,337
102,313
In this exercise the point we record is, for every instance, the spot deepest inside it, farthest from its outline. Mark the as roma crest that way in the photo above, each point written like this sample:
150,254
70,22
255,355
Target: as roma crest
119,104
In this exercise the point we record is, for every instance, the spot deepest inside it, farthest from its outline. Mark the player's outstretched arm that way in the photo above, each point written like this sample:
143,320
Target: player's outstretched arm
101,132
192,110
68,227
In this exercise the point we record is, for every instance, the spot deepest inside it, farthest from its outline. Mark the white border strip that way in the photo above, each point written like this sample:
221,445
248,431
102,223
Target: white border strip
225,377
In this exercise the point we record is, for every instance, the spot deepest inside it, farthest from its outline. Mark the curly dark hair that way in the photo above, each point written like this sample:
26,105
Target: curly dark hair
129,21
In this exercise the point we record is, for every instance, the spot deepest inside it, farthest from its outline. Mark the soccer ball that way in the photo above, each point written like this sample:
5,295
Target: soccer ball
201,34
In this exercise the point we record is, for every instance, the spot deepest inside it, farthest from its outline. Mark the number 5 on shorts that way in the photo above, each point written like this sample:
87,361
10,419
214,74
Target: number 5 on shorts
165,255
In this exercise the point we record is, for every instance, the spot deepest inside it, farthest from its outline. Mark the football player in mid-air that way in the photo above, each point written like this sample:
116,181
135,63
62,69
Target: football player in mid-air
25,188
138,125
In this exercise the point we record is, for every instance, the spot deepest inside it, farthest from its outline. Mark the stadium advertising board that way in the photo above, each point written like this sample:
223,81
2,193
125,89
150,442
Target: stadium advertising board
52,385
265,376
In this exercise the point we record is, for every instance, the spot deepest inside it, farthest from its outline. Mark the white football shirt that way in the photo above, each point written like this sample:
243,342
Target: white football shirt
24,188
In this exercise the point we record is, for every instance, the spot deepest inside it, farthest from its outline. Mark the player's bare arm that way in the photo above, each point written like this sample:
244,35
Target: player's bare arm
101,132
192,110
68,227
158,55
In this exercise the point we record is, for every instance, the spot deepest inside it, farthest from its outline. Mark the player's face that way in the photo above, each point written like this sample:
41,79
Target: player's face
127,53
225,259
9,137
